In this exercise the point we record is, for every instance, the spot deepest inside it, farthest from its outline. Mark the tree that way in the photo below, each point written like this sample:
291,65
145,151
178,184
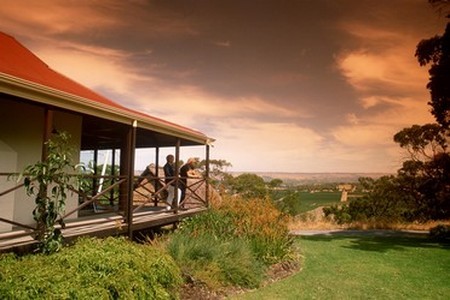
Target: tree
289,203
425,176
429,163
275,183
217,172
216,168
422,142
248,186
421,189
436,51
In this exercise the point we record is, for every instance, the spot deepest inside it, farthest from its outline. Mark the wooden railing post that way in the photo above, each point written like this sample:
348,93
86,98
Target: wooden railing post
177,174
131,148
113,176
156,182
207,176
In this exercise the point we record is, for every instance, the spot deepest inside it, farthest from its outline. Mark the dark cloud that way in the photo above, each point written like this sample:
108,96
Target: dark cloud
314,68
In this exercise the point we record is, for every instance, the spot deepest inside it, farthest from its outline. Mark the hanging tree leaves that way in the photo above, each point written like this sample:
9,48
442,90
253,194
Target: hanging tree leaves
436,51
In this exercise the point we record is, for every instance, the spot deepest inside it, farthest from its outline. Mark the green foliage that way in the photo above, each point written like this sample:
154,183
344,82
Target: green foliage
48,181
261,223
422,142
232,242
425,177
288,202
386,202
421,189
436,51
427,187
216,263
440,233
113,268
247,186
410,196
275,183
340,213
218,224
110,198
257,221
216,167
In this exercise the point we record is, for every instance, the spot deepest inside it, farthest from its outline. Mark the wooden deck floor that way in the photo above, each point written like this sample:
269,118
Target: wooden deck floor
101,225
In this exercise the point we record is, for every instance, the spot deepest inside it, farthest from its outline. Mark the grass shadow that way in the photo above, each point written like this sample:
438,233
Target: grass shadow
380,241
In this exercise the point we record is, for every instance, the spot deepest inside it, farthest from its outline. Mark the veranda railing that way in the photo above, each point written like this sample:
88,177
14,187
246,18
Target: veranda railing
95,203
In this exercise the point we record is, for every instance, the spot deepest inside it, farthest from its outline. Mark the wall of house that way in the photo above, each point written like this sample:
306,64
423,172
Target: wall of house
8,161
72,124
21,130
21,133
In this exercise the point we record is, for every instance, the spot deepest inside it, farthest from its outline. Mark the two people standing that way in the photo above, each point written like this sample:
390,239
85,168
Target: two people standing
186,171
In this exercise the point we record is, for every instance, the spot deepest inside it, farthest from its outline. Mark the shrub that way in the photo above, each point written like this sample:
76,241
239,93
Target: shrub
214,262
440,232
385,203
339,213
218,224
259,221
287,201
113,268
256,221
232,243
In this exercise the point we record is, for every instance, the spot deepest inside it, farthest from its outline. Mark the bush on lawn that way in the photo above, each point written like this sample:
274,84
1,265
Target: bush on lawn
440,232
232,243
214,262
113,268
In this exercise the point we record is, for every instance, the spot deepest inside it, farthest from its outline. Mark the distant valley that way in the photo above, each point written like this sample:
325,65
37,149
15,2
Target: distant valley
312,178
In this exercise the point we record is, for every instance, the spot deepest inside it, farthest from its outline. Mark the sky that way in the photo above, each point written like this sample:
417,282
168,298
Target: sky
283,86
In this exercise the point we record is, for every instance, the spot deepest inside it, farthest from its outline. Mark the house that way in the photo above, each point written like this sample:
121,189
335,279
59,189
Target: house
36,101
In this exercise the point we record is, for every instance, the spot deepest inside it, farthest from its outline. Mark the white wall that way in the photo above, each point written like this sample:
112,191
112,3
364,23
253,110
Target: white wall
21,129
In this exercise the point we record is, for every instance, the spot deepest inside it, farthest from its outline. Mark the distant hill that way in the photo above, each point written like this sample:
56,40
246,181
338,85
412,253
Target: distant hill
312,178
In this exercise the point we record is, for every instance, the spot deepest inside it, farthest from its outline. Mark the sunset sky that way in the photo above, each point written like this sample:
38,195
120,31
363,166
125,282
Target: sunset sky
286,86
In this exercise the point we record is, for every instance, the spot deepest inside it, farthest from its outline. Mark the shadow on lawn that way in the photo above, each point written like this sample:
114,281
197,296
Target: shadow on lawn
380,240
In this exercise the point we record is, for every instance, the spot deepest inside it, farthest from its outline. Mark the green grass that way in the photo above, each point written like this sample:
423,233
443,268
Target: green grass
349,267
113,268
216,263
310,201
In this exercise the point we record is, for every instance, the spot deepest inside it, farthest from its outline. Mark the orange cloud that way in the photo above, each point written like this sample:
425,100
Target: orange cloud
53,17
254,145
89,65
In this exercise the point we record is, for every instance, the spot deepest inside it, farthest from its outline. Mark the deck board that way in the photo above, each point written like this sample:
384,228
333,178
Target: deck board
101,226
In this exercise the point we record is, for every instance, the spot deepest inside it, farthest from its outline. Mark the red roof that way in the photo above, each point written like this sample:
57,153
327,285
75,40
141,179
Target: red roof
18,61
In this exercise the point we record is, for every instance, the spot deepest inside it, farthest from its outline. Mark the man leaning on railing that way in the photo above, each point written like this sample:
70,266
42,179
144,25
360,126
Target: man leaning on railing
187,171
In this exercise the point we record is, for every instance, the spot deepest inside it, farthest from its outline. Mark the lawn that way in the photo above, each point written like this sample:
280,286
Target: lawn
310,201
365,267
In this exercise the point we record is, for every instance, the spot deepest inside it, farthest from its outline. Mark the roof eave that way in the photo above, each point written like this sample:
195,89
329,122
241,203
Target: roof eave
29,90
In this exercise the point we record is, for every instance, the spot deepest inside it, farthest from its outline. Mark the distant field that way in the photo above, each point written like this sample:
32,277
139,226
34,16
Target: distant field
310,201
